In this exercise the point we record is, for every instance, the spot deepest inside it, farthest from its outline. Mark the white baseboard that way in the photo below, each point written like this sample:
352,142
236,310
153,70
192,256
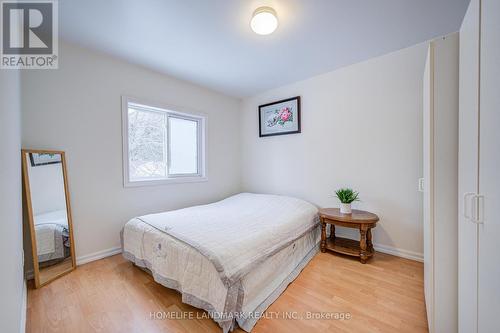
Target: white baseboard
97,255
378,247
392,250
24,308
29,275
399,252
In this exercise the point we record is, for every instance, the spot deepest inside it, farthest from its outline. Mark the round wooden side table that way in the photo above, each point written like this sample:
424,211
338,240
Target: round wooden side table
358,219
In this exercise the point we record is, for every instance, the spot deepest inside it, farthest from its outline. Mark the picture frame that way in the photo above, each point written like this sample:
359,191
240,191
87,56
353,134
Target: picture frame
38,159
280,117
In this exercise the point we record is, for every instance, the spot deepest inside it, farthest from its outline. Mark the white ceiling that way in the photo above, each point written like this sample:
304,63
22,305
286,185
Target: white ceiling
209,42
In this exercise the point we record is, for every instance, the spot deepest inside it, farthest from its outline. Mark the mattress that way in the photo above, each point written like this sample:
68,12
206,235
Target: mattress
178,265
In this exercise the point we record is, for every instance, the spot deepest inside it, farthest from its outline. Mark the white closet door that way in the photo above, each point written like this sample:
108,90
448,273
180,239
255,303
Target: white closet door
468,167
489,170
428,153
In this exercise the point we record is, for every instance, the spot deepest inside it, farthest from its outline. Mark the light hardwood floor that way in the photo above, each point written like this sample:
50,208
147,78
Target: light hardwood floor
111,295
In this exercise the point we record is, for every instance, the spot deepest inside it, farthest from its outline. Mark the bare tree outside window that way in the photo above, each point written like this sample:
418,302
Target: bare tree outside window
147,153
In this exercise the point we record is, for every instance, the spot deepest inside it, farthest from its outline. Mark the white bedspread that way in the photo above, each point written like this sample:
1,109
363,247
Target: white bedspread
268,233
238,233
45,229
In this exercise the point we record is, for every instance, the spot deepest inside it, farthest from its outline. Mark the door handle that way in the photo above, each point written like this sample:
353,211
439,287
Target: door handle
421,185
465,206
478,201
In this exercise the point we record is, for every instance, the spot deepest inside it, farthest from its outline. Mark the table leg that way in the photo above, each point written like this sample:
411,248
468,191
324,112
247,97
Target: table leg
323,236
363,256
332,232
369,240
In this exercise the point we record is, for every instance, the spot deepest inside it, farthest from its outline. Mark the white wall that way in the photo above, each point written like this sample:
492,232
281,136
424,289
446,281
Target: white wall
46,187
12,305
77,108
361,127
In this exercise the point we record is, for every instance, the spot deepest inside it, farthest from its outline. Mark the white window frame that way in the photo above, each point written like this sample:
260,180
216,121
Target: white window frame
174,112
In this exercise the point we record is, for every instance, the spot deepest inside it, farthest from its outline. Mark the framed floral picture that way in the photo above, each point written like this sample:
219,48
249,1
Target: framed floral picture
281,117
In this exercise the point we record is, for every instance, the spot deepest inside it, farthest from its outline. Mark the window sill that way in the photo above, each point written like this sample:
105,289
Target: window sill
177,180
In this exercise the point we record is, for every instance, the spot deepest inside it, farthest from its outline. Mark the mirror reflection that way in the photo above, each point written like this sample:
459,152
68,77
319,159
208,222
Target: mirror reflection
50,221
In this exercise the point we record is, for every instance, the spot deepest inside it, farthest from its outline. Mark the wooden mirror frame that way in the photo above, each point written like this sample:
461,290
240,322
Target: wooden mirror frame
29,207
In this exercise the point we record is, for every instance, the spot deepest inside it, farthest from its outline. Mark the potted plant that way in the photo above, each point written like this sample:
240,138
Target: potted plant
346,197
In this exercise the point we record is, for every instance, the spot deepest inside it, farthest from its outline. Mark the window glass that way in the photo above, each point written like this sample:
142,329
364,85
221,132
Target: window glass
183,146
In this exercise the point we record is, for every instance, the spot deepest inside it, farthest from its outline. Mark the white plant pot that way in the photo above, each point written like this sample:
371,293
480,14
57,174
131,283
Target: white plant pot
345,208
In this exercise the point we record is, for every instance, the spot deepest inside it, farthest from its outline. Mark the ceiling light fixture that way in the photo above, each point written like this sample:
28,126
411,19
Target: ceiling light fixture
264,21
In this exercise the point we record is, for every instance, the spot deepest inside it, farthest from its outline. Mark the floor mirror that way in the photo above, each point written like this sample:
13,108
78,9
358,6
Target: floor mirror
49,214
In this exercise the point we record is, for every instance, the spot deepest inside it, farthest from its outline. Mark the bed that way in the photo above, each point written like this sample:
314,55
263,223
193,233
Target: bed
232,258
52,236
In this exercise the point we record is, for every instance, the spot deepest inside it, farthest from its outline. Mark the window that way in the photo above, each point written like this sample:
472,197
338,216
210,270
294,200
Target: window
161,145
